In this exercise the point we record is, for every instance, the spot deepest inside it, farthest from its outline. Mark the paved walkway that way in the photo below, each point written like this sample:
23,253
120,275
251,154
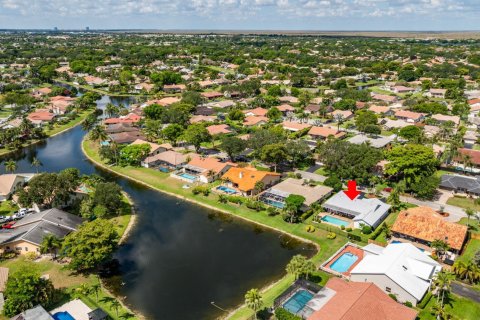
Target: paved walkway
465,291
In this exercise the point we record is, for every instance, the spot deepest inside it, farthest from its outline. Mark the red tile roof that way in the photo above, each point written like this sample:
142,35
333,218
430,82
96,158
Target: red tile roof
361,301
474,155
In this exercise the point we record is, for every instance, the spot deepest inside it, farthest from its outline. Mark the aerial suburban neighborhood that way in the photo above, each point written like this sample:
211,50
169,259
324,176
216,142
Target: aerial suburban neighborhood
237,175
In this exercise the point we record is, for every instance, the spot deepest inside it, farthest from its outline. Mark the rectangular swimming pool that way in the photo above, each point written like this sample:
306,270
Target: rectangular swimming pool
296,302
335,221
187,176
227,189
344,262
273,203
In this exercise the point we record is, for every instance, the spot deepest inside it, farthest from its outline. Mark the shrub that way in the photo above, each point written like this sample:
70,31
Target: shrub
255,205
310,229
31,256
205,190
342,227
394,297
366,229
222,198
425,300
306,215
349,229
355,237
272,211
331,235
235,199
282,314
408,304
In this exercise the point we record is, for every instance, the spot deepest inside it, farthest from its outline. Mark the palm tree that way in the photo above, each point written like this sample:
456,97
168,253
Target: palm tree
339,118
467,271
296,266
83,289
258,187
111,110
50,244
36,163
443,283
115,305
470,213
98,133
439,311
253,300
308,268
95,288
10,166
440,246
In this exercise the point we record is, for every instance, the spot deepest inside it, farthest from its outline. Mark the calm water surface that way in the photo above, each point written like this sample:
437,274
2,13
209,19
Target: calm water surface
180,257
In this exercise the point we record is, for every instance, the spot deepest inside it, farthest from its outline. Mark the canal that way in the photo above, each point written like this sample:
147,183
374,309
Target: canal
180,257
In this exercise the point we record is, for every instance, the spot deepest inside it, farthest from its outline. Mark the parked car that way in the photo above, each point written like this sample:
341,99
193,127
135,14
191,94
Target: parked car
8,225
19,215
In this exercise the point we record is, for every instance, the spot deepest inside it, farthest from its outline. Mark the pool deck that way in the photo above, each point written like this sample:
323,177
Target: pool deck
76,308
350,249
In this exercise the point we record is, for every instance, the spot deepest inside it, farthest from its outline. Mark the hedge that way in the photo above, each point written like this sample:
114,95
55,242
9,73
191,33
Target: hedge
425,300
282,314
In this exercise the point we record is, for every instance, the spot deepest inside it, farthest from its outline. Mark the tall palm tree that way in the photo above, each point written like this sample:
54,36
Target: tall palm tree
308,268
258,187
98,133
443,283
295,266
111,110
95,288
440,246
115,305
83,289
253,300
470,213
36,163
50,244
10,166
467,271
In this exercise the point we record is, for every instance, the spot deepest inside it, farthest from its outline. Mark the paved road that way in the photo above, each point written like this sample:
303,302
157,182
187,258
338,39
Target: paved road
465,291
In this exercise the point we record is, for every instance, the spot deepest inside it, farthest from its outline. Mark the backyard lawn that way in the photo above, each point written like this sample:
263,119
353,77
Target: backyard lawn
63,278
464,309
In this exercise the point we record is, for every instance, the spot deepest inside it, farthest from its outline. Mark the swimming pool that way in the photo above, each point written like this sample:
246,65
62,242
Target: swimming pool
63,316
296,302
227,189
276,204
344,262
187,176
335,221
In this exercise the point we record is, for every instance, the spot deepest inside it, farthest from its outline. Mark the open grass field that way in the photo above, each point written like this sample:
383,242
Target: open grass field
456,306
466,203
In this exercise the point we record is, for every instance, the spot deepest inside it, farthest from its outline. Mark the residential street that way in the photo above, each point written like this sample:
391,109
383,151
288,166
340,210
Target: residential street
456,213
465,291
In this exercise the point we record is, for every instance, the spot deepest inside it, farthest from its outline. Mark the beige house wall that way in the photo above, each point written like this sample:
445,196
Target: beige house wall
20,247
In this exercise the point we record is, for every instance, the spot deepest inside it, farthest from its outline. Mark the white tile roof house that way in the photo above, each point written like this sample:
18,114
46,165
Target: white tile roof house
362,210
400,269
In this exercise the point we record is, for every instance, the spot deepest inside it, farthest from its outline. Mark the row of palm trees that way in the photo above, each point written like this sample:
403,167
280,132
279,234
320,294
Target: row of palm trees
11,165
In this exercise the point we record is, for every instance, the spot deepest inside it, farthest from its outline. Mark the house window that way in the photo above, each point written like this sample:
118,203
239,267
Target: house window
388,289
18,248
26,248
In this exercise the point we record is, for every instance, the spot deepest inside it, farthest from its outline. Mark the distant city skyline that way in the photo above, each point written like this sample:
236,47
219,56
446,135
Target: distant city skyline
337,15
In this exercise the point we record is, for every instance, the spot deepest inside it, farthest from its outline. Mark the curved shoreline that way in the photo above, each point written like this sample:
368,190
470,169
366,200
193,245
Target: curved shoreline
101,165
131,222
263,289
44,139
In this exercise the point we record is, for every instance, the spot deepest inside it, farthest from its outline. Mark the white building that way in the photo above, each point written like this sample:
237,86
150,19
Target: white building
400,269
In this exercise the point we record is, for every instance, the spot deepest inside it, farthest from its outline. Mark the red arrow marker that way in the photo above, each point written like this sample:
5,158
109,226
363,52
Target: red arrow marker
352,191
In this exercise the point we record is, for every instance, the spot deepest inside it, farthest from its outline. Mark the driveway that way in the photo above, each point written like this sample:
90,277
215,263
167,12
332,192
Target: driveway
465,291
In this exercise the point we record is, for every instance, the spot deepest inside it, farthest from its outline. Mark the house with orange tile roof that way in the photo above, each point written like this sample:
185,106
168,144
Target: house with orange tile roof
471,154
219,129
424,225
445,118
257,112
40,92
285,108
254,121
130,118
295,126
409,116
321,133
344,114
384,110
40,117
155,148
244,180
212,95
174,87
342,300
204,169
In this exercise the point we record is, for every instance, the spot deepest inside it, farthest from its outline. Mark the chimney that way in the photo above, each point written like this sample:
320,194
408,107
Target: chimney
240,175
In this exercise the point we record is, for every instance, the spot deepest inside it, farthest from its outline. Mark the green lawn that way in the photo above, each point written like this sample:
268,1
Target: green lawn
458,307
63,278
7,208
466,203
322,171
471,248
163,182
121,221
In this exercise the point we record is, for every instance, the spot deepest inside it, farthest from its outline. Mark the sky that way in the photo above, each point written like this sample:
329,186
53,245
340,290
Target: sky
350,15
